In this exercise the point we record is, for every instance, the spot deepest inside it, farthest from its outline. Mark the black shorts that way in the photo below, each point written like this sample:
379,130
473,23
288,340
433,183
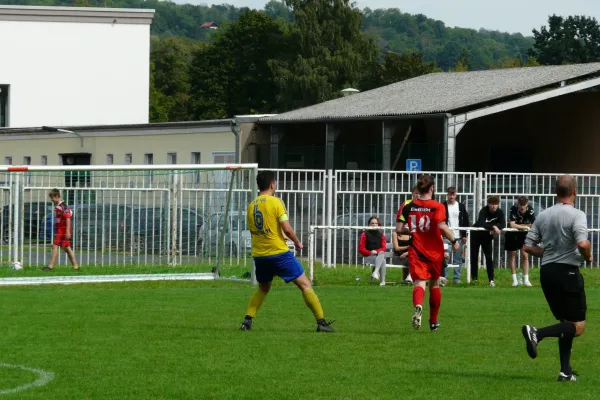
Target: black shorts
564,290
514,241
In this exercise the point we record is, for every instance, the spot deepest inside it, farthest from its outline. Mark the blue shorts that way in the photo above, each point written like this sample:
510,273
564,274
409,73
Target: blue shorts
284,265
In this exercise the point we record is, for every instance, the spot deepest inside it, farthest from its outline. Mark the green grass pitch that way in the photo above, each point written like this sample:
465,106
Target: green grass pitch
180,340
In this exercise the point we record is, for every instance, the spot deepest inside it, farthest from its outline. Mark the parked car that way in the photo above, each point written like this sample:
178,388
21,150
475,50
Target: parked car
93,225
33,215
236,235
150,230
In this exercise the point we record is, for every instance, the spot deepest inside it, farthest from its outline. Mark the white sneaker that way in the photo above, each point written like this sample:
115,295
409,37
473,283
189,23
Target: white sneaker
515,283
375,275
443,281
492,284
382,284
416,318
527,283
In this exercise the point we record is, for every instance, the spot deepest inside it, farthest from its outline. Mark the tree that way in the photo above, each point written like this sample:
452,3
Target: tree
159,103
332,53
575,39
232,75
171,58
278,9
397,67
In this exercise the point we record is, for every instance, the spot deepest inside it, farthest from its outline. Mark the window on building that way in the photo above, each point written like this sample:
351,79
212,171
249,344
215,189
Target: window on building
172,158
26,160
3,105
44,160
149,160
110,159
223,157
7,160
128,159
195,159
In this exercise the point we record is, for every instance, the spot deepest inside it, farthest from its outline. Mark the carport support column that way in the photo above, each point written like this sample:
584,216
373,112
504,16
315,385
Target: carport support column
452,127
387,131
331,134
276,135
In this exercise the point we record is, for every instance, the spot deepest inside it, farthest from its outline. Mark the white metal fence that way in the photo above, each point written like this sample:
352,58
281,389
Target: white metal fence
155,215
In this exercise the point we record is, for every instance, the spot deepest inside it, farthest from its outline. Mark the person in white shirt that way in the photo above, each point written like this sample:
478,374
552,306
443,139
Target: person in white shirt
456,216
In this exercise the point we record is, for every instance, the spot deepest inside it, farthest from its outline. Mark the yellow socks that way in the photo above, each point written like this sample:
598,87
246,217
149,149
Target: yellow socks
312,301
255,302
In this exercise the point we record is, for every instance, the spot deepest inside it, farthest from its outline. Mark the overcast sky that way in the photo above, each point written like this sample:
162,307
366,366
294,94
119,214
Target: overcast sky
503,15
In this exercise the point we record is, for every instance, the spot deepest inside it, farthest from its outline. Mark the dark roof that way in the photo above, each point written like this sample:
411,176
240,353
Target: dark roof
208,24
438,93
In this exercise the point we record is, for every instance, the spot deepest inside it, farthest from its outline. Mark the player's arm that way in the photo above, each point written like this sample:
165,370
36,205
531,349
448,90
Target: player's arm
581,236
68,233
289,232
401,225
532,240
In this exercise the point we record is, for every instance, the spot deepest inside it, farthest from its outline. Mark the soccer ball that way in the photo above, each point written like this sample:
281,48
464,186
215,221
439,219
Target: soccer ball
17,266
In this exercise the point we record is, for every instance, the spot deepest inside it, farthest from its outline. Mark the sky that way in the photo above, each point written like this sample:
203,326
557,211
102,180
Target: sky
503,15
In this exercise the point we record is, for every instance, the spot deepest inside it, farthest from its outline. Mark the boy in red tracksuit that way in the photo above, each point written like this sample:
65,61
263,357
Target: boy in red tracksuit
63,230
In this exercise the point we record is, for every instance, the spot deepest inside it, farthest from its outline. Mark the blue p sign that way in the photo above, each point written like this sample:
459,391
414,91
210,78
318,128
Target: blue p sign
413,164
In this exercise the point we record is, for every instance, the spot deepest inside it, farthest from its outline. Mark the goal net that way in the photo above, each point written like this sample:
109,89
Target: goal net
132,219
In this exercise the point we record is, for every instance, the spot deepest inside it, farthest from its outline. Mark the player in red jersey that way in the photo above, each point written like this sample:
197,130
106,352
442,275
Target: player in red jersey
62,236
425,219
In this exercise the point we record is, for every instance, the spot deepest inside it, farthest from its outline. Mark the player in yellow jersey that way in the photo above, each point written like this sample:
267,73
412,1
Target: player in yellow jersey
268,221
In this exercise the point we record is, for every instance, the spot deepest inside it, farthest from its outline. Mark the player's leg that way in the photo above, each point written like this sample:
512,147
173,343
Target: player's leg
53,257
312,302
420,275
435,297
71,256
264,276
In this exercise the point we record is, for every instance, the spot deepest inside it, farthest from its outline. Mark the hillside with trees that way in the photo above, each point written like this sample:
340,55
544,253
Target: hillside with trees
284,56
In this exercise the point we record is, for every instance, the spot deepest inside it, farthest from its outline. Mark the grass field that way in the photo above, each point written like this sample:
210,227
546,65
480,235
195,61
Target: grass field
180,340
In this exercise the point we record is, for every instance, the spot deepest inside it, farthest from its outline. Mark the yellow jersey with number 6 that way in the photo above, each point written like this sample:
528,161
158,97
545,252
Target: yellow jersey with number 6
265,215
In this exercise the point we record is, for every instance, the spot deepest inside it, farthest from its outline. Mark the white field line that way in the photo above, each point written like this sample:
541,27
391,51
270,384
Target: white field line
65,280
43,378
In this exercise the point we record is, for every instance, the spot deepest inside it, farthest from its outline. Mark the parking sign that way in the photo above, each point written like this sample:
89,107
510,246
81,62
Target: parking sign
413,164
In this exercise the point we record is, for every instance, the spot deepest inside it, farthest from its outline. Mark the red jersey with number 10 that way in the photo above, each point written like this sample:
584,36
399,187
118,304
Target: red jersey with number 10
423,217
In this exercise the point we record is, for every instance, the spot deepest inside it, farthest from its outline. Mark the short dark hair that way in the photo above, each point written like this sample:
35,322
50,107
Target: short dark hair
425,183
54,193
452,189
493,200
566,185
264,180
523,200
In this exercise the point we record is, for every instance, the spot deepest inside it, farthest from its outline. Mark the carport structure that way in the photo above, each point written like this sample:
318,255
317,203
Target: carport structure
509,120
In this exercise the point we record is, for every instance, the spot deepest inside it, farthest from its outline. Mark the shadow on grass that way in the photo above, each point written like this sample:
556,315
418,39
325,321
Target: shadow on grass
468,374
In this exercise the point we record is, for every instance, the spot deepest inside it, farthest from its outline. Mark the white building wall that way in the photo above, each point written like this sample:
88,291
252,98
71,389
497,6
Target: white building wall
75,73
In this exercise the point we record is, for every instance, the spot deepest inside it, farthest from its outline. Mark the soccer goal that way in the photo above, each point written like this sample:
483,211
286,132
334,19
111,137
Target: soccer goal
132,219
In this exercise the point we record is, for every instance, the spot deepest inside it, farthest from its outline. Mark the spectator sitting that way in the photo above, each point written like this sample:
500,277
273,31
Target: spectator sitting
401,243
372,245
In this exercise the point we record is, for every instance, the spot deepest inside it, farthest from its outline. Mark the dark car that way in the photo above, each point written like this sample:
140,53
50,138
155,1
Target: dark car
150,230
94,226
33,214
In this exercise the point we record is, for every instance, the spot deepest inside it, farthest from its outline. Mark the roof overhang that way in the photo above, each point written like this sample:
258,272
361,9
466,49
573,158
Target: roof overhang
77,14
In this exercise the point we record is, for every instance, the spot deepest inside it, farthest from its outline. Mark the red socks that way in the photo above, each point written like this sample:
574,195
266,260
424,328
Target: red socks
418,295
435,300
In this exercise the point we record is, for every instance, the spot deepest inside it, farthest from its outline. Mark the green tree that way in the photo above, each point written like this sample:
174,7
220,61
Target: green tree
232,75
332,53
172,59
159,103
278,9
397,67
575,39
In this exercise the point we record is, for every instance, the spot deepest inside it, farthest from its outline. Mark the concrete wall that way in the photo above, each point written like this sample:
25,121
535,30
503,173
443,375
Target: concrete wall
75,73
118,144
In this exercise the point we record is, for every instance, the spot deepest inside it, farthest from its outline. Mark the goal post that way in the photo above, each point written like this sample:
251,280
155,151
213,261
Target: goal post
142,218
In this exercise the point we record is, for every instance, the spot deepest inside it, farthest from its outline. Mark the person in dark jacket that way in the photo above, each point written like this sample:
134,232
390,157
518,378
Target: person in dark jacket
372,245
456,216
491,218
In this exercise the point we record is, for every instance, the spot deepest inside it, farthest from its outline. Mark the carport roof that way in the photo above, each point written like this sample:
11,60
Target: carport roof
438,93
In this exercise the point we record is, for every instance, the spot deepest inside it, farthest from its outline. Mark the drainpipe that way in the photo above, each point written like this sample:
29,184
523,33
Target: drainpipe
235,128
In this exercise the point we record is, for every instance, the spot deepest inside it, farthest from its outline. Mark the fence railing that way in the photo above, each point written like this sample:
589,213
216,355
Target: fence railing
166,214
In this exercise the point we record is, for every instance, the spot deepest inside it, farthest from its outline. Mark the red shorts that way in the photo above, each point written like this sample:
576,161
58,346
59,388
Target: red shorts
425,270
60,240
